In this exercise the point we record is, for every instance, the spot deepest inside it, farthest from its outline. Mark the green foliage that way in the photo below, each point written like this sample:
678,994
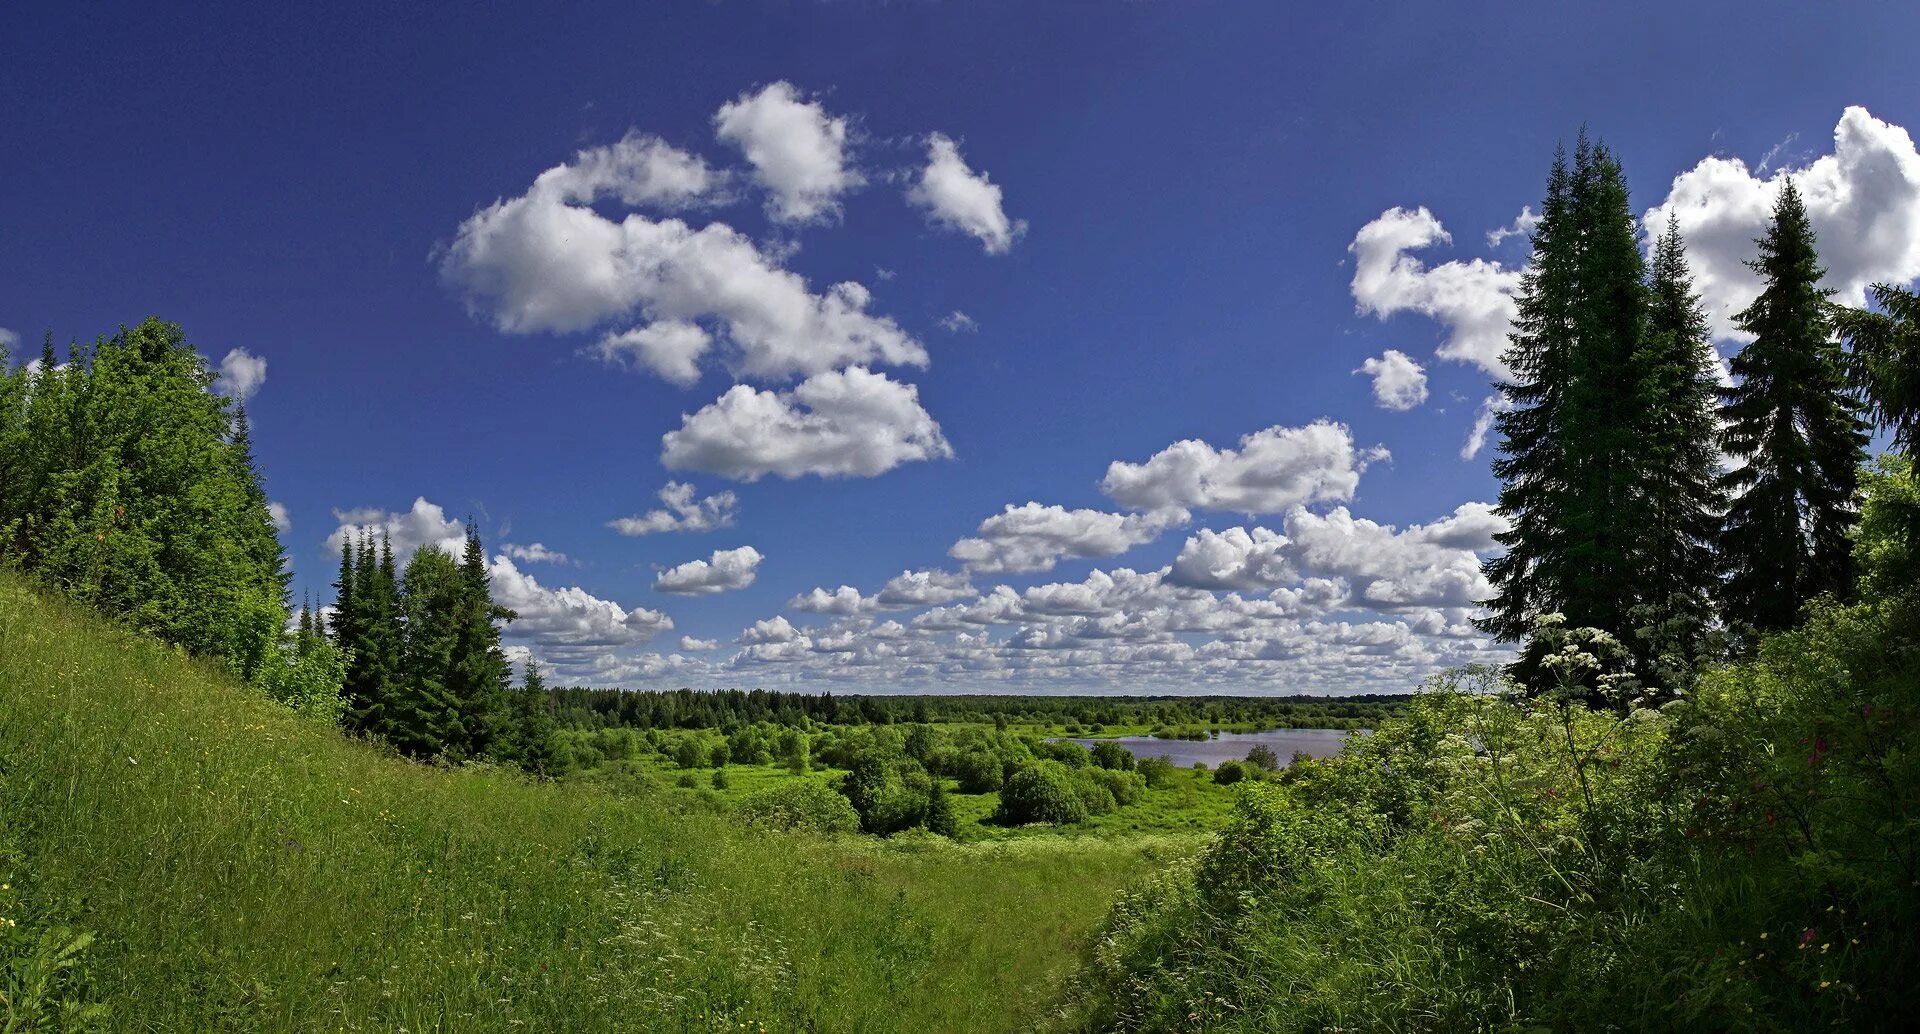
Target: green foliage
1797,435
1680,494
1883,359
1262,757
979,771
308,679
1743,858
1230,772
890,791
1158,773
1108,754
1609,466
129,485
690,753
800,805
1045,791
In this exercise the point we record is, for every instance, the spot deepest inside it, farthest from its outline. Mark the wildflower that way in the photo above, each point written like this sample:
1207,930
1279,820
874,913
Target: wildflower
1806,936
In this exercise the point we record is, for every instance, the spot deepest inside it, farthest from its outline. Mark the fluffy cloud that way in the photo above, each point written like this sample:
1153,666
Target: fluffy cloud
1426,566
426,524
845,601
1236,559
1398,382
1035,537
241,374
277,513
640,170
535,554
670,348
1273,470
768,631
9,339
1863,201
1490,407
682,512
1473,298
689,644
847,423
547,261
957,197
923,588
726,569
904,591
568,619
798,151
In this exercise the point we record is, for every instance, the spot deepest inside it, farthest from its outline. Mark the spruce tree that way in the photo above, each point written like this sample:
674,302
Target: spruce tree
480,675
1679,500
533,723
1572,466
1883,359
1796,436
424,716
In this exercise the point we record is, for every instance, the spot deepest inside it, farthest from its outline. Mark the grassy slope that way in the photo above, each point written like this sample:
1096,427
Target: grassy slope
246,870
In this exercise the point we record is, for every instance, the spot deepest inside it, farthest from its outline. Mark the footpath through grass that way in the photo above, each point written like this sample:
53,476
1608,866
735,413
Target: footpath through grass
244,869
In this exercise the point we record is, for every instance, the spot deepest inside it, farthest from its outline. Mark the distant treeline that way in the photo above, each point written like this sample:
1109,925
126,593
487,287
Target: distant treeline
696,709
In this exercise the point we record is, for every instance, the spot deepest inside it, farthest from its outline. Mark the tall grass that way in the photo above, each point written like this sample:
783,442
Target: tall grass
246,869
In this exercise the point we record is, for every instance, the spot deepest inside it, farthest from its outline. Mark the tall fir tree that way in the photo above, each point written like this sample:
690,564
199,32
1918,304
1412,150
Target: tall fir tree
425,718
480,676
533,724
1572,467
1680,499
1796,436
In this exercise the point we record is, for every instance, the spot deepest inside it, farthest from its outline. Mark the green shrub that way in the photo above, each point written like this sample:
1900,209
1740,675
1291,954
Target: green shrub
689,753
1123,788
1044,791
720,780
1157,772
1066,752
688,781
1230,772
978,771
1263,758
1108,754
800,805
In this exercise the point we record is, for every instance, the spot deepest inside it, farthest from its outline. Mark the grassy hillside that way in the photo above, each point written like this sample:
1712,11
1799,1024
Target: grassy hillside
245,869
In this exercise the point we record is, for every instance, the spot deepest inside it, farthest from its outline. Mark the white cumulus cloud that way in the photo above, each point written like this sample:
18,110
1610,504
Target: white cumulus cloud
1236,559
1863,201
535,554
1398,382
681,512
1473,298
1273,470
797,150
548,261
845,423
726,569
569,617
1035,537
957,197
425,524
241,374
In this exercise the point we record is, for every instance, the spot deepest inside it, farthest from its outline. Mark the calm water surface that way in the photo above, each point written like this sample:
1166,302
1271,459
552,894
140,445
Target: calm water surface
1229,746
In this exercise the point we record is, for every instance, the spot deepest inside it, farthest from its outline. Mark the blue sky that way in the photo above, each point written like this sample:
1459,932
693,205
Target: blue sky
1209,217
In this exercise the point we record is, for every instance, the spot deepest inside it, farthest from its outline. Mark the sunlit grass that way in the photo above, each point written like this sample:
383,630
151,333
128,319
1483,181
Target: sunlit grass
247,870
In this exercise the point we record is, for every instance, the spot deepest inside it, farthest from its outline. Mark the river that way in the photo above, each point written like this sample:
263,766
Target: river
1228,746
